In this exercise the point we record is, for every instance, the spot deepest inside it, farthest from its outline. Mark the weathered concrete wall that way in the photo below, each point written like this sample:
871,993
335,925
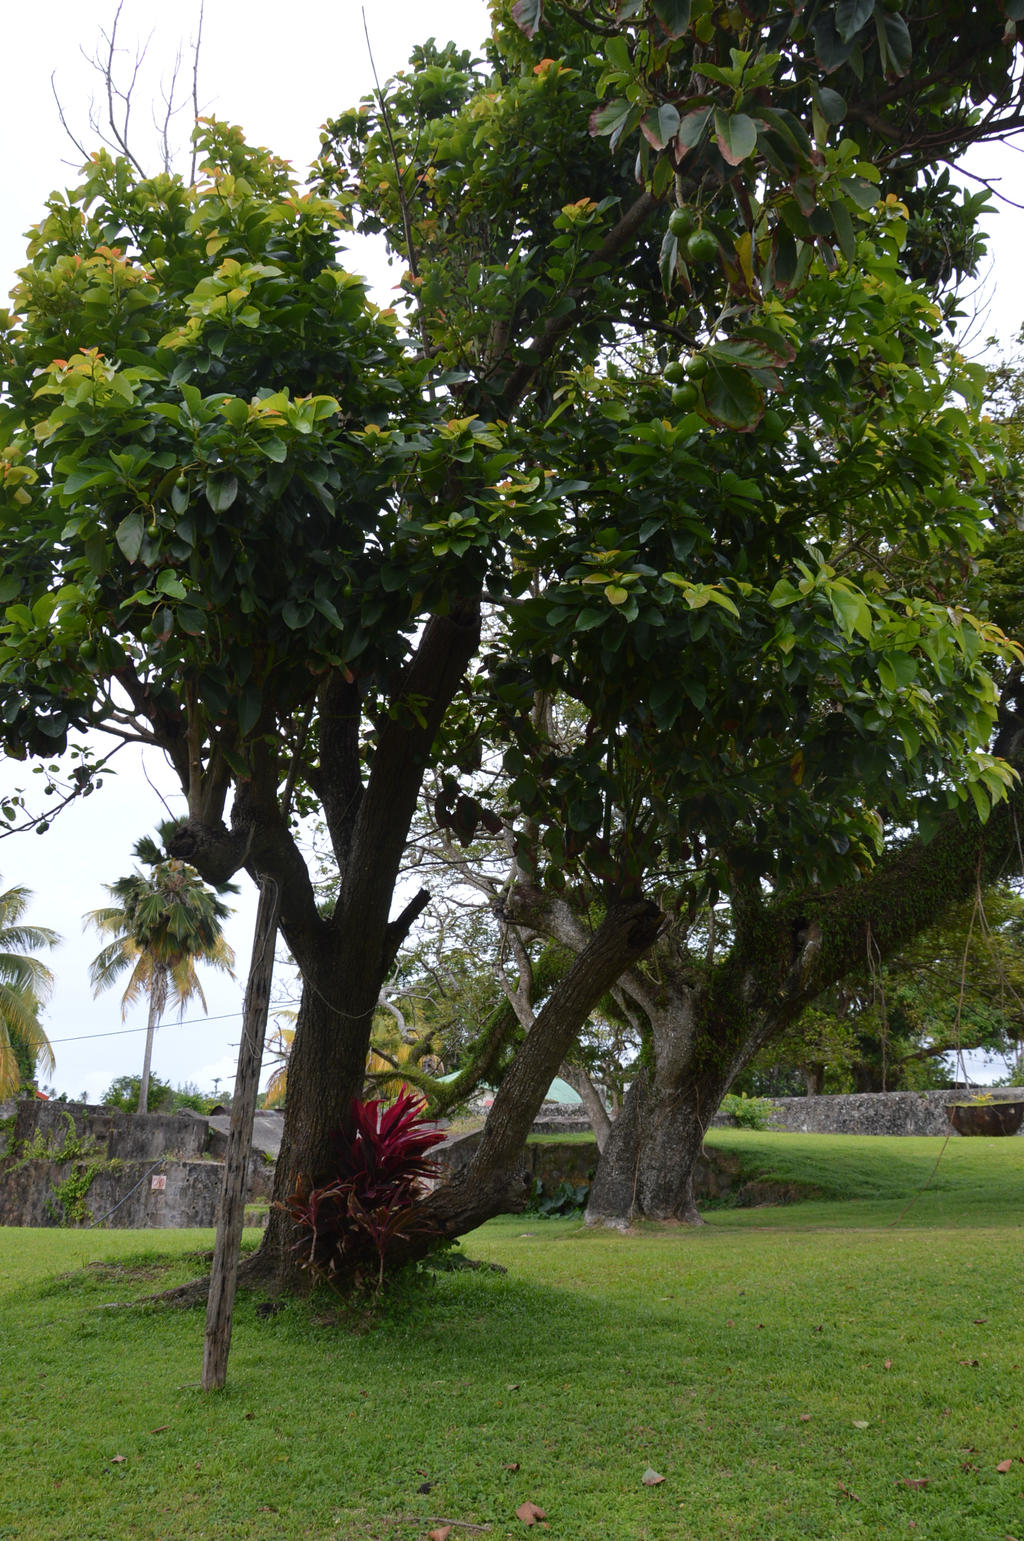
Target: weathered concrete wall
124,1136
123,1197
146,1169
873,1112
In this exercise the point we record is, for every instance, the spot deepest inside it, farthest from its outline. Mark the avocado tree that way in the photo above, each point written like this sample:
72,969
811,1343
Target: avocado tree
257,523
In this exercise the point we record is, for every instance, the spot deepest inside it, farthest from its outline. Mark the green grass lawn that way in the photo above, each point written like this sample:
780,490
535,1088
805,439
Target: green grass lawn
788,1372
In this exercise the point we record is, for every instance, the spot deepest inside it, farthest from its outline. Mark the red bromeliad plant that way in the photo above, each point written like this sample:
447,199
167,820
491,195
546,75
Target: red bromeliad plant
375,1198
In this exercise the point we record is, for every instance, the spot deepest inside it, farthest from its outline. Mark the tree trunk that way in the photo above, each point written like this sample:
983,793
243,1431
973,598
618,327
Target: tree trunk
157,1002
495,1181
326,1068
646,1168
593,1103
814,1078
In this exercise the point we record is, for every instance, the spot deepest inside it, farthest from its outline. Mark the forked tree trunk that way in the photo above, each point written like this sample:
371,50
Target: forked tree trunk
647,1167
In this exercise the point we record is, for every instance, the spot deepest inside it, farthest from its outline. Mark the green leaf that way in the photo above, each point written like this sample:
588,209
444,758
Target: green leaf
851,16
660,125
83,477
981,800
735,135
894,45
250,701
97,553
615,120
829,47
235,410
130,534
43,609
221,491
860,191
903,666
851,611
162,623
732,399
296,614
668,261
528,15
674,16
170,584
833,106
191,621
844,229
691,129
697,692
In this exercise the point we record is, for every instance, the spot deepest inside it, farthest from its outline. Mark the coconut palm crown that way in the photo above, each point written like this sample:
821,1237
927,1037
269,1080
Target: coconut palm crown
25,984
163,923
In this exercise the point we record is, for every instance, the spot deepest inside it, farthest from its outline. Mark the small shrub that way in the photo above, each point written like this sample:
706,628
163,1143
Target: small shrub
352,1222
749,1112
567,1199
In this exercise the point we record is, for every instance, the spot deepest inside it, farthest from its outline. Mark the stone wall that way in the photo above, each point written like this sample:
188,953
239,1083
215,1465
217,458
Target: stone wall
143,1169
873,1112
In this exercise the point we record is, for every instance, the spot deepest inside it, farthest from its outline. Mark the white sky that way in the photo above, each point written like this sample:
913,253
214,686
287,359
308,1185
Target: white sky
279,79
279,73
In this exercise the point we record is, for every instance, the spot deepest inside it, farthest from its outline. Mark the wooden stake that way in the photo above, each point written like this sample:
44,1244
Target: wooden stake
224,1274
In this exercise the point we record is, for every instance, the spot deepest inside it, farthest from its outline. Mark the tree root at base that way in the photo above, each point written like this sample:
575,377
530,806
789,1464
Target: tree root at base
252,1272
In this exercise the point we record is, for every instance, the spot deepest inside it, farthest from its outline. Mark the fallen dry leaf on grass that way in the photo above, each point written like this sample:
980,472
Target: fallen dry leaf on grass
843,1489
440,1534
915,1482
1003,1465
805,1417
160,1428
530,1514
651,1478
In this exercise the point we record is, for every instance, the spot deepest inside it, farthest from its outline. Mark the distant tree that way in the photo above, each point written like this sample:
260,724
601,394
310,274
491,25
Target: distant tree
24,984
163,924
122,1095
957,987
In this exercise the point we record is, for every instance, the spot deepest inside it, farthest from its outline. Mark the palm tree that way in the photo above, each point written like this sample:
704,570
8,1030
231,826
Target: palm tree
163,924
25,984
280,1045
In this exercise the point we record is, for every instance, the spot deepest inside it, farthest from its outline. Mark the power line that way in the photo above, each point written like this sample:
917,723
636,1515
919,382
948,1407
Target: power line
124,1032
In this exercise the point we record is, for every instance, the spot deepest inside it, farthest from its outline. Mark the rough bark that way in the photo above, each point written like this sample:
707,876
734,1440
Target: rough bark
706,1021
646,1168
